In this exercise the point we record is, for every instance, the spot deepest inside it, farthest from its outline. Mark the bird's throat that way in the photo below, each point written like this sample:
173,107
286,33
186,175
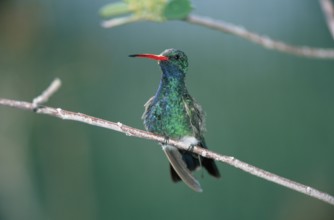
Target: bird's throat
171,87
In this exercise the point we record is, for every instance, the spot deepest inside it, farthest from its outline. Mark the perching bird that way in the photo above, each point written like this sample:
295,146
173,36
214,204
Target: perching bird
173,113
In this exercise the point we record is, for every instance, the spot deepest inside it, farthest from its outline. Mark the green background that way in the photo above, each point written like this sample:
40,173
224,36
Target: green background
272,110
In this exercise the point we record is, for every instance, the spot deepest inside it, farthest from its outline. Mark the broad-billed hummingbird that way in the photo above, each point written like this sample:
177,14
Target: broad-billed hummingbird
173,113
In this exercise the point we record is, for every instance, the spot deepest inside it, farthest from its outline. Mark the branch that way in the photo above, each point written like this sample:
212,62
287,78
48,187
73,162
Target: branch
44,97
119,21
260,39
328,9
129,131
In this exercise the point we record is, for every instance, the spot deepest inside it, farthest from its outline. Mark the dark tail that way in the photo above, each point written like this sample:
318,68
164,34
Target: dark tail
192,163
210,166
173,174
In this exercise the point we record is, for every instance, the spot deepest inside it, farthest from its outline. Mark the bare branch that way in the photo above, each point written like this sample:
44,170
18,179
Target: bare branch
328,9
119,21
44,97
129,131
260,39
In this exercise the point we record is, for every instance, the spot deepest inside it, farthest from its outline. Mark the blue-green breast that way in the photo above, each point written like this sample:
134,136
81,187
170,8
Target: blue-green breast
166,113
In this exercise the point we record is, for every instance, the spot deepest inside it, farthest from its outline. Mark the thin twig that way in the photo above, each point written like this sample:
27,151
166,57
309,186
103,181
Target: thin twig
328,9
44,97
260,39
114,22
129,131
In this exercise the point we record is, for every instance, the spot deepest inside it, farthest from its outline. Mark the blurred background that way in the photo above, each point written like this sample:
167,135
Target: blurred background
269,109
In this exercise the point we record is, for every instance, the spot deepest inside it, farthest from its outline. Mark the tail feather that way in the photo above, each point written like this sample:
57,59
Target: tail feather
180,167
173,174
183,163
210,166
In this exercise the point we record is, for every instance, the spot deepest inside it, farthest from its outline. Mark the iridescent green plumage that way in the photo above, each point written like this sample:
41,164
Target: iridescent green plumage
172,112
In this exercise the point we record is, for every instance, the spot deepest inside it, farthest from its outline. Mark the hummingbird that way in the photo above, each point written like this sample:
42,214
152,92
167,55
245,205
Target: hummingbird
173,113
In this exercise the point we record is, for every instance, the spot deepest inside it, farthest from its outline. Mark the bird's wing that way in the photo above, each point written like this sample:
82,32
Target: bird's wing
175,159
147,107
196,116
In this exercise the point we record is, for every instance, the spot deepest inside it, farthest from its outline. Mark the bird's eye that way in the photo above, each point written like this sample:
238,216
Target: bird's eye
177,57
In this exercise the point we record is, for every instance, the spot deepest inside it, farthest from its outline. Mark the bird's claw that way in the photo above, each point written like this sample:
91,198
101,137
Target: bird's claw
37,107
191,147
166,140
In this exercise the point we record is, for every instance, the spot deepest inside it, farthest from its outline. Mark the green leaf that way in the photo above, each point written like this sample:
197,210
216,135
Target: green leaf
177,9
114,9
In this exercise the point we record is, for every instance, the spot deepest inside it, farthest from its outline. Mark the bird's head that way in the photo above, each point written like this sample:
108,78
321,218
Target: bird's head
172,61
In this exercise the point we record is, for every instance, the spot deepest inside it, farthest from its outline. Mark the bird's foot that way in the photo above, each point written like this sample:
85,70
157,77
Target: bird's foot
37,107
191,147
166,140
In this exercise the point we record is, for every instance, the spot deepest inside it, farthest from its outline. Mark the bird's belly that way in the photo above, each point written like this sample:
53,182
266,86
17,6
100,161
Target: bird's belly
168,121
